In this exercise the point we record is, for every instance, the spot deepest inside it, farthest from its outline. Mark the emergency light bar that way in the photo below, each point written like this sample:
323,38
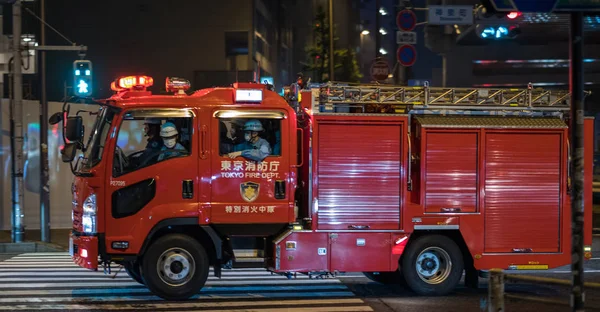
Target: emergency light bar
248,96
180,85
132,82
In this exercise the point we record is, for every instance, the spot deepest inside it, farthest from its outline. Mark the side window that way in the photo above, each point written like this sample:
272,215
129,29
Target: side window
145,140
251,138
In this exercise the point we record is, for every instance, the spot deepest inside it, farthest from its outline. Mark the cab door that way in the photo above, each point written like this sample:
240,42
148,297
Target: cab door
148,183
247,188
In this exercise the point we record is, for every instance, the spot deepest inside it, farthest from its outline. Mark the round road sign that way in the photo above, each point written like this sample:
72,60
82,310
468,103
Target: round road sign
380,70
406,20
407,55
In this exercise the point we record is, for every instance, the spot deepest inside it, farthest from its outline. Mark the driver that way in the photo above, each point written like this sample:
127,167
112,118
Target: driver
152,131
171,147
254,148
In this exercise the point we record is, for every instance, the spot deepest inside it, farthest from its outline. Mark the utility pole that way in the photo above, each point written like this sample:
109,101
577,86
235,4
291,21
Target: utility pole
331,60
17,129
576,86
44,173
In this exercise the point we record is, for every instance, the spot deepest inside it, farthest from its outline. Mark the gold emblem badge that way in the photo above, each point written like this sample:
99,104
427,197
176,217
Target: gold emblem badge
249,191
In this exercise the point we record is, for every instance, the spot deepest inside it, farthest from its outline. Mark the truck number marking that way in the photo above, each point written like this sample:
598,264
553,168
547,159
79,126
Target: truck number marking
117,183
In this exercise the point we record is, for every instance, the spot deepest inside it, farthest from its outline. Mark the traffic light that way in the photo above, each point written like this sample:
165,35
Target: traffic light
498,32
492,25
82,78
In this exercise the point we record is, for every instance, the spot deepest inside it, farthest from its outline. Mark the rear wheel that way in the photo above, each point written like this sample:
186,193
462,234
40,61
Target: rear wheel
133,270
175,267
432,265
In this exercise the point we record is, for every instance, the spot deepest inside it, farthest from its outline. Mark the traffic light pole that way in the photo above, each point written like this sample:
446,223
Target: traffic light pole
17,129
44,172
576,86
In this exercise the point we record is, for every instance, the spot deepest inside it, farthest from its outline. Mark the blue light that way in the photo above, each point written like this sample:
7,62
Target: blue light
87,72
77,72
500,32
82,87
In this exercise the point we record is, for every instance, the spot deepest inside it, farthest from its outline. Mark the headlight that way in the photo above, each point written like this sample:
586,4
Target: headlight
89,205
88,219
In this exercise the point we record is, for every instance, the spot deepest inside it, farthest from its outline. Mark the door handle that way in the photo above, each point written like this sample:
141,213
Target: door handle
358,227
204,150
450,209
187,189
279,189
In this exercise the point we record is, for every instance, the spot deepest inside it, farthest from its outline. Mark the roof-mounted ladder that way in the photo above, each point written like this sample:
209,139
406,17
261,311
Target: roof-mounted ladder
338,97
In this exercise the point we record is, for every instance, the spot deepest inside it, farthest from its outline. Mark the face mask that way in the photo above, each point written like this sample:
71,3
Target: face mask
170,142
247,136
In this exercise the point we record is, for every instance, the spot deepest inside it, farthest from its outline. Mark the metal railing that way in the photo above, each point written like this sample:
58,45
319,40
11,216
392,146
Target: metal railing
497,293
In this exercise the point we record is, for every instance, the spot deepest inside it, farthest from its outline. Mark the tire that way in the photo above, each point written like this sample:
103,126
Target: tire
182,257
445,265
133,270
385,278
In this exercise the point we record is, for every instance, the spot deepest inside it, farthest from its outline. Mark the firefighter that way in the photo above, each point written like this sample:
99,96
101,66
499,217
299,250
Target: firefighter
254,148
152,131
171,148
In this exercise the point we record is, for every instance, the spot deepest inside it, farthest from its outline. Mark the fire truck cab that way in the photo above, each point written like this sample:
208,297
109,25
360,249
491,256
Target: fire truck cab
415,184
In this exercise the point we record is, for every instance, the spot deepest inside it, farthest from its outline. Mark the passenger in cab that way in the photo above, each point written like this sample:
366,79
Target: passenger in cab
171,147
254,148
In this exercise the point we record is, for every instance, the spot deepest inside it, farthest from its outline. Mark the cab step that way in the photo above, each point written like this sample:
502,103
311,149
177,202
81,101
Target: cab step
249,258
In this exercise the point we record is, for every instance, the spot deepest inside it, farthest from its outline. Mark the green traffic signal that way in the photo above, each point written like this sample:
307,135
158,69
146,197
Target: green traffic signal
82,78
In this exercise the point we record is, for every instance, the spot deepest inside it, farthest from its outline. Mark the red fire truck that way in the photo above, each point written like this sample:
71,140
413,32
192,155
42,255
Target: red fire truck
412,184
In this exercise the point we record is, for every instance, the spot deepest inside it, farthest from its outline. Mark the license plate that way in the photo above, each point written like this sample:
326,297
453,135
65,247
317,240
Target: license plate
71,246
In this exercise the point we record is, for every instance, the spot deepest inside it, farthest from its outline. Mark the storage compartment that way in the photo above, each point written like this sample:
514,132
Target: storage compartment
359,175
450,171
302,252
360,252
522,192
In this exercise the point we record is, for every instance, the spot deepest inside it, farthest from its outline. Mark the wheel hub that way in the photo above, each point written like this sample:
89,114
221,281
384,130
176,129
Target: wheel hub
433,265
175,266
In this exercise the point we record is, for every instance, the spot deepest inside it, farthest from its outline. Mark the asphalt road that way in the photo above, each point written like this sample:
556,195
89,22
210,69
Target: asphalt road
384,298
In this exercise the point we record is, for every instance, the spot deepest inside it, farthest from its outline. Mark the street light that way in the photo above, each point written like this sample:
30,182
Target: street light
365,32
382,31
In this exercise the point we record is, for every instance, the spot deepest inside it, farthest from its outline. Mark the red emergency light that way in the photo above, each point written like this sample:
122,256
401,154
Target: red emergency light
179,85
513,15
132,82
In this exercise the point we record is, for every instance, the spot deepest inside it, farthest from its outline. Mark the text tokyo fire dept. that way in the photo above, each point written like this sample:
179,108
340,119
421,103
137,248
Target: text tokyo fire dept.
417,184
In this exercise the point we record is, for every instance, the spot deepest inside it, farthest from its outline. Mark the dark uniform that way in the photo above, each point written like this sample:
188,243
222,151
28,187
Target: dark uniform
154,144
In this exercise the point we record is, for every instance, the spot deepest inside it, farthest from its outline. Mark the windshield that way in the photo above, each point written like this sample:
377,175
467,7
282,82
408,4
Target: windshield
93,154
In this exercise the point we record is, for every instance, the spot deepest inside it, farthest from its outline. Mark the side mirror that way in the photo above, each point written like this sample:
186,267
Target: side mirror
68,152
74,129
55,118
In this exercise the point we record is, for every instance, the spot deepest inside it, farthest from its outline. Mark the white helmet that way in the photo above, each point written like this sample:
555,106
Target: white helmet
168,130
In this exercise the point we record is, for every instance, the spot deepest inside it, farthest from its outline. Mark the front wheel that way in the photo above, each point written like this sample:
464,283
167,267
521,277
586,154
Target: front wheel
432,265
175,267
133,270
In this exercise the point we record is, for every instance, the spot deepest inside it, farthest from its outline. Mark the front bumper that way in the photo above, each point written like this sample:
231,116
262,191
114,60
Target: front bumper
84,250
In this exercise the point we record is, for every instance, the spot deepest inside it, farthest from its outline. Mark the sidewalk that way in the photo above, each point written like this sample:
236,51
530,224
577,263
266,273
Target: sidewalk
59,238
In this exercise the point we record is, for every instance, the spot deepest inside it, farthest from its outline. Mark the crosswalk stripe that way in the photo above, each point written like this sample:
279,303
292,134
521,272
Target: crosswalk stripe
142,290
51,281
